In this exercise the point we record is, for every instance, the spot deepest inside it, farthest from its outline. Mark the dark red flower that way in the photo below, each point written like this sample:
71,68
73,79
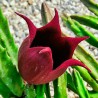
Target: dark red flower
45,55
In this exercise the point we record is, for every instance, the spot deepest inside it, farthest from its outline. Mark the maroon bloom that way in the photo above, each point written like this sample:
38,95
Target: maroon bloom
45,55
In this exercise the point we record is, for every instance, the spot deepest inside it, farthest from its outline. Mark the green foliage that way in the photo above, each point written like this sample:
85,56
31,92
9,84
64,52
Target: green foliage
87,77
93,94
11,83
40,91
6,39
91,5
9,76
47,90
87,59
79,30
83,55
30,91
4,90
70,83
60,85
78,82
46,13
91,21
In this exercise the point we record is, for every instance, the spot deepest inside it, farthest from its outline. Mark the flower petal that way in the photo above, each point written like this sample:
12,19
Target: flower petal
35,62
49,33
65,50
31,26
60,70
24,47
71,44
53,25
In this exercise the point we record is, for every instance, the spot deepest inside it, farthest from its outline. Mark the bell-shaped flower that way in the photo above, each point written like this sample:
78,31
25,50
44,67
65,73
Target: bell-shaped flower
44,54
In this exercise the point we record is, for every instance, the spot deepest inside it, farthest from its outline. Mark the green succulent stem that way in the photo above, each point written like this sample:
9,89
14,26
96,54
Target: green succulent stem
30,91
87,59
91,21
4,90
40,91
60,85
6,39
93,94
9,74
79,84
47,90
91,5
46,13
79,30
70,83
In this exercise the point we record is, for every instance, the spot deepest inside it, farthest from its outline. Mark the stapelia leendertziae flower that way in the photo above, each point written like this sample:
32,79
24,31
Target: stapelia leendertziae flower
45,55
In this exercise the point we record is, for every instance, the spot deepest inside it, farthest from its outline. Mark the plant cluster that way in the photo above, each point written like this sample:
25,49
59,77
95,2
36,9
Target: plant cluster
46,53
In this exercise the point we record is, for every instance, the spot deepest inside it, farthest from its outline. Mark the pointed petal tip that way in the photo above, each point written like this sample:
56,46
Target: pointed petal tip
19,14
55,10
56,13
78,63
62,68
82,38
16,12
44,3
86,37
79,39
31,26
89,70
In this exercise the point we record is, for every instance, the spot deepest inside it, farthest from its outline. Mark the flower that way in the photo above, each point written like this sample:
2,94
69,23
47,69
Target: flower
44,54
